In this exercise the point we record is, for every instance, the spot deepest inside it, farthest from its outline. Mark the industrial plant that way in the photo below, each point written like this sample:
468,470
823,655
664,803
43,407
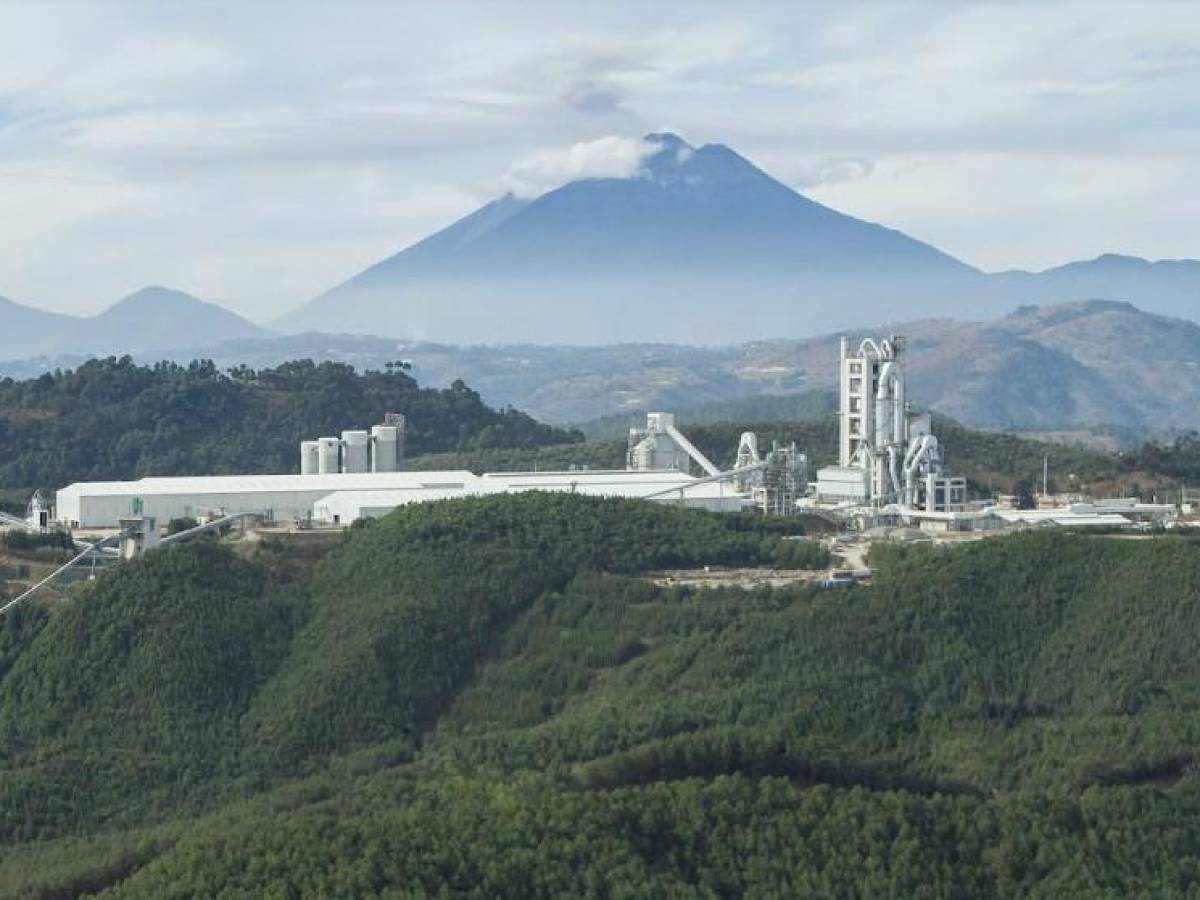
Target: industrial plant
889,460
890,472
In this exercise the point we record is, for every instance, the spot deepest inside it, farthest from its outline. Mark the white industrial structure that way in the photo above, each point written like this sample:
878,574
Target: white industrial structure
774,481
350,505
101,504
355,452
344,498
661,447
888,456
359,475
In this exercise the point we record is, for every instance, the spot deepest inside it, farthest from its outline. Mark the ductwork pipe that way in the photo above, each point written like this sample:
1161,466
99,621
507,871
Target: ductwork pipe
865,353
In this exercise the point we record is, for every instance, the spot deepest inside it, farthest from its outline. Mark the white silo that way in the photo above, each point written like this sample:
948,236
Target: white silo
385,456
328,455
309,458
355,451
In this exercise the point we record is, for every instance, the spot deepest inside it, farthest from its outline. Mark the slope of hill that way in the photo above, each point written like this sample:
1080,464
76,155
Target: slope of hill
153,320
26,331
1010,718
157,317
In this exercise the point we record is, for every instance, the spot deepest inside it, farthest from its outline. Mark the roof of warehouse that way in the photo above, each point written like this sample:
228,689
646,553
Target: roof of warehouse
239,484
593,476
1061,517
617,481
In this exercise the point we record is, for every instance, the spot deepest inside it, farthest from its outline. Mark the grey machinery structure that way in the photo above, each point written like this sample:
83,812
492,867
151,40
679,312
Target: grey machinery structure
774,481
888,455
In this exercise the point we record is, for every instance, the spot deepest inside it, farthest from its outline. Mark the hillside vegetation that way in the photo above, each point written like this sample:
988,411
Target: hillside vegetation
483,698
113,419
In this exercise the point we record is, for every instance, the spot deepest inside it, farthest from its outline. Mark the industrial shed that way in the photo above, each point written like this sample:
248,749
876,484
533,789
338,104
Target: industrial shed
342,498
346,506
281,497
664,486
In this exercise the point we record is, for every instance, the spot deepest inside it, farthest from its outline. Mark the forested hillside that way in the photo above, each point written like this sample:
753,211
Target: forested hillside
483,698
112,419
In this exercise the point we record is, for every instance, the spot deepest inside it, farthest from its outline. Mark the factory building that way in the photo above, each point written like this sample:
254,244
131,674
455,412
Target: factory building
359,475
674,487
660,446
100,504
888,455
343,498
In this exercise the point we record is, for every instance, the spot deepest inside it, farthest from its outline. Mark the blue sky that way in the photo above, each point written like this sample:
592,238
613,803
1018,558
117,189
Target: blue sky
258,153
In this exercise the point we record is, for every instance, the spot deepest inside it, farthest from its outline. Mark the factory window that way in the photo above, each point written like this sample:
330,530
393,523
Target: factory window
855,426
853,447
856,385
855,405
856,368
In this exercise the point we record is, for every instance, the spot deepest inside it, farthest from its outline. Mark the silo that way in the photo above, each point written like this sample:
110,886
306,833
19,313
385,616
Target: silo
384,446
354,457
327,455
396,420
309,458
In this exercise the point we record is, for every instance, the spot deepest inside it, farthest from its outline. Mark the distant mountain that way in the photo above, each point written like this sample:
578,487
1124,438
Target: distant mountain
154,319
25,331
159,317
699,247
1169,286
1094,363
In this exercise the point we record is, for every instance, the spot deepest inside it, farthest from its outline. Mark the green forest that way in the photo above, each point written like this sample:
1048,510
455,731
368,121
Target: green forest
487,698
112,419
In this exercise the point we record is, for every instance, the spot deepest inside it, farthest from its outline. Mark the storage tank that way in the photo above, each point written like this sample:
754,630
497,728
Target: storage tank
327,455
309,458
385,443
355,454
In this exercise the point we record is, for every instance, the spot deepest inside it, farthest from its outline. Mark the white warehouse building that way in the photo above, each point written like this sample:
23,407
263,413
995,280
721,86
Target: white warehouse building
345,497
99,504
663,486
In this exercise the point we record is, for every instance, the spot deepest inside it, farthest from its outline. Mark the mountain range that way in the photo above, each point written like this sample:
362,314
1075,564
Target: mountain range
154,319
1097,363
1092,363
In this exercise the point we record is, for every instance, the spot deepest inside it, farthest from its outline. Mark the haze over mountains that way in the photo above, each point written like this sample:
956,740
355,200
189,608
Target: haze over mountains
154,319
1094,363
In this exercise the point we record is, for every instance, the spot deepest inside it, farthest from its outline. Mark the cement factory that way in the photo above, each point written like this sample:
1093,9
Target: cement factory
890,472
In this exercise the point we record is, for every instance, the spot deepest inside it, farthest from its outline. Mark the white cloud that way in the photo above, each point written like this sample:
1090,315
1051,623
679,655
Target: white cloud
611,156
